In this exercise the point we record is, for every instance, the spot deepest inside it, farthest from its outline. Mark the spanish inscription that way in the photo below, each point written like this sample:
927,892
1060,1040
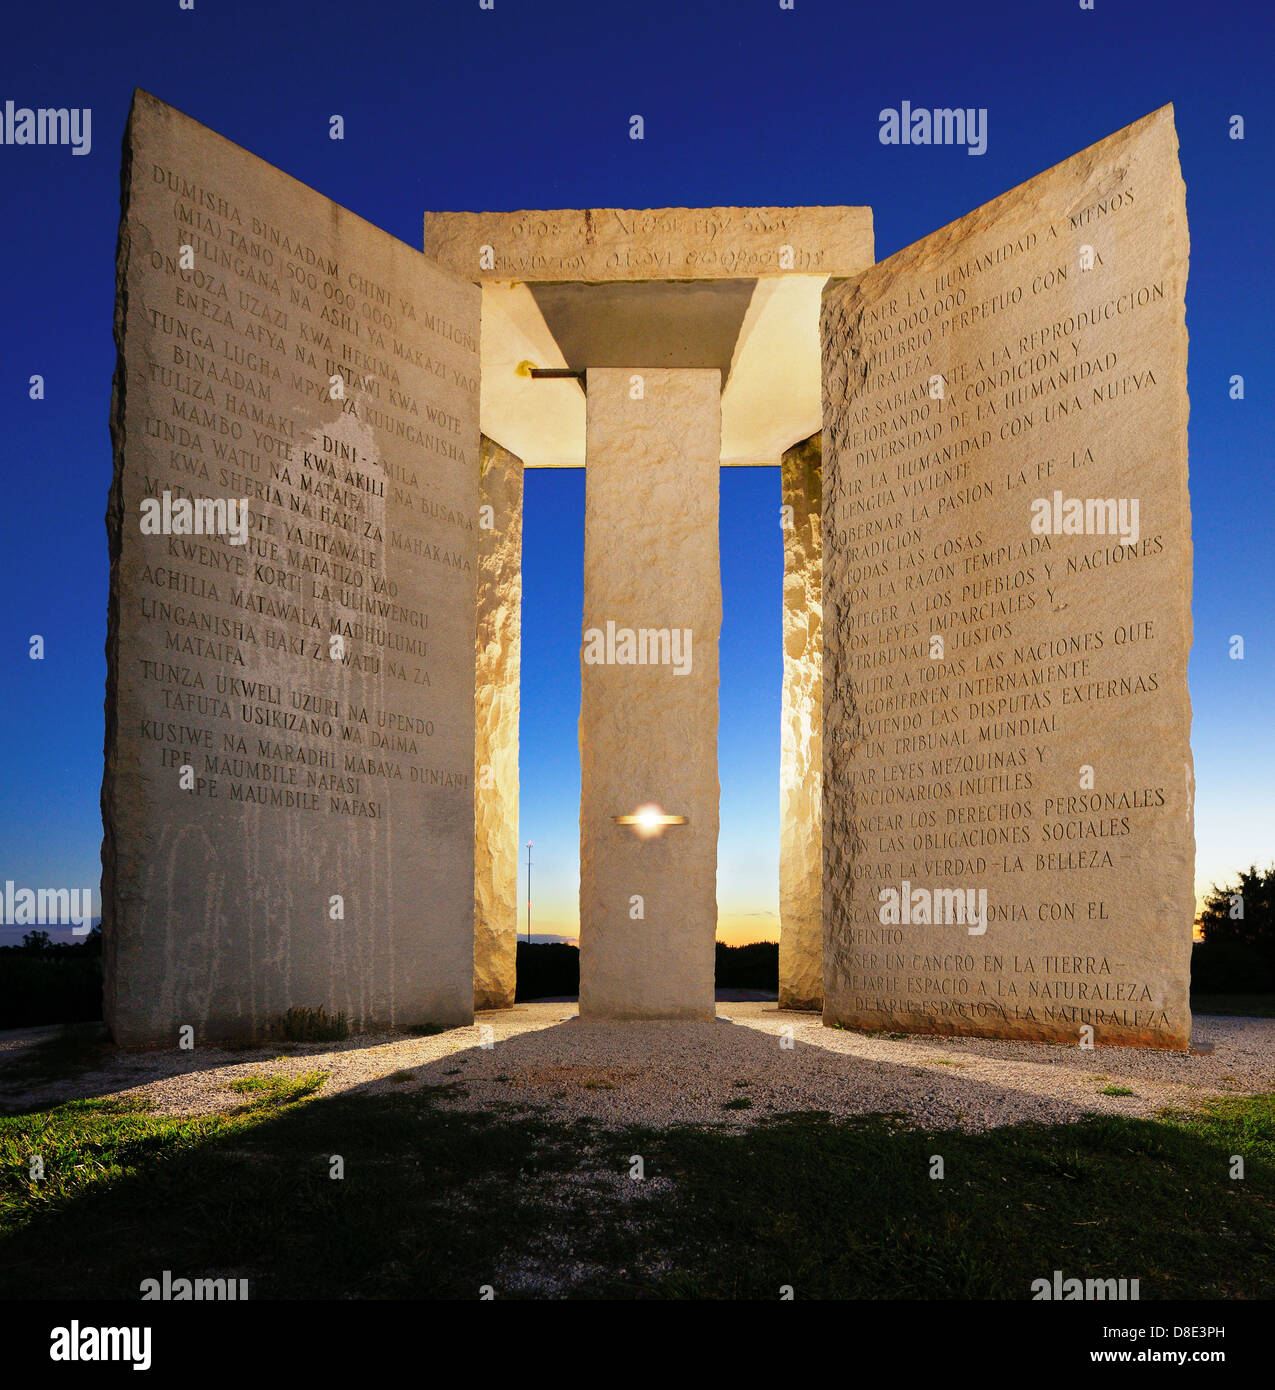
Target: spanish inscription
1008,841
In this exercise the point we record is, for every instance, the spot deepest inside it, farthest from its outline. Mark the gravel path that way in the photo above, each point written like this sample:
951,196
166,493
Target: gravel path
660,1073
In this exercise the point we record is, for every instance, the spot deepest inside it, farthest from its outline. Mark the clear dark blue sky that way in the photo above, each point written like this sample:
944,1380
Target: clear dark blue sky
447,106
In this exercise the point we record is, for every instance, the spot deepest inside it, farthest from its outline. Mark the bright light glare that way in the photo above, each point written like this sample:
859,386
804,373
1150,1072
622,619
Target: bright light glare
649,820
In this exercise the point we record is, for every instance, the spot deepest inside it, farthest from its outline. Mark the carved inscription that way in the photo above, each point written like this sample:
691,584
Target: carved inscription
1008,843
295,699
651,244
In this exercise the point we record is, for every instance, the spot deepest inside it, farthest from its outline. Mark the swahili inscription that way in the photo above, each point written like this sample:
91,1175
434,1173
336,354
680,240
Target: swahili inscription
288,799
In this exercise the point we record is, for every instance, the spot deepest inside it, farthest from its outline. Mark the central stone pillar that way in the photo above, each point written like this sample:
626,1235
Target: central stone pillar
648,707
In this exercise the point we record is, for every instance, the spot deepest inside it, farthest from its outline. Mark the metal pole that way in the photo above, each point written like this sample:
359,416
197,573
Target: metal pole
556,374
529,843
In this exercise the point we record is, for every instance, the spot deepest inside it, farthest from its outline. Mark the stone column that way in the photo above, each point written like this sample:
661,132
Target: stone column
801,750
496,745
649,677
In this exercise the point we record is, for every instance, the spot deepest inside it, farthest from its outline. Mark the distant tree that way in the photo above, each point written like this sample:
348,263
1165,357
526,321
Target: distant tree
36,943
1242,914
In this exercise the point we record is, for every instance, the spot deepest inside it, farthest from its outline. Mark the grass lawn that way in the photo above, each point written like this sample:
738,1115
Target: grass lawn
435,1203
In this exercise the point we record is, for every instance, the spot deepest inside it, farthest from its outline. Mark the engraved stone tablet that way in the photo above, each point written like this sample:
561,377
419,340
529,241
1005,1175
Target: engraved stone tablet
288,796
598,244
1008,840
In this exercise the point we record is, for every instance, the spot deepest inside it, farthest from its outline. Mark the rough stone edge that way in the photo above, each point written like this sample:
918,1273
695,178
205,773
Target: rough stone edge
497,988
114,520
799,988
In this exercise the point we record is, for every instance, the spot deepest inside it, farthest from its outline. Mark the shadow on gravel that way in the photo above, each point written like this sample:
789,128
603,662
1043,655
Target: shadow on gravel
434,1202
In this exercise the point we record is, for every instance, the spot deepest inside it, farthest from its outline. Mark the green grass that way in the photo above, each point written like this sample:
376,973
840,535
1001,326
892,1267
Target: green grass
277,1091
435,1203
1115,1091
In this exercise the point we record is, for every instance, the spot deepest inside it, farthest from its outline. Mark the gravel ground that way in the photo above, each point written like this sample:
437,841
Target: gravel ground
661,1073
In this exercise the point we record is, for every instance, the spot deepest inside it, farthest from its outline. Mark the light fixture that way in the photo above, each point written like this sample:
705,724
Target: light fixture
649,820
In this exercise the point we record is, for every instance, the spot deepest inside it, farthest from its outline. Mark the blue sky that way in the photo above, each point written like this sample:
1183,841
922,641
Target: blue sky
447,106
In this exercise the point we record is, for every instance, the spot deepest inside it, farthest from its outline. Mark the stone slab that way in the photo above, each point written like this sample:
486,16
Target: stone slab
610,280
664,324
801,744
648,731
497,697
597,244
1062,652
323,853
